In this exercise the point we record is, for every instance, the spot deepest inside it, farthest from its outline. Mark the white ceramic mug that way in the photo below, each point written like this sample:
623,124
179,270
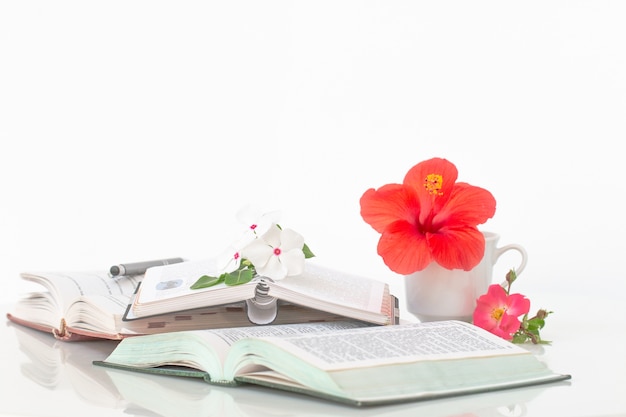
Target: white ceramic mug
437,293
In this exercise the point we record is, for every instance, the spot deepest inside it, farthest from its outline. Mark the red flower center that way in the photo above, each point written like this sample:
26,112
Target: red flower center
253,226
277,251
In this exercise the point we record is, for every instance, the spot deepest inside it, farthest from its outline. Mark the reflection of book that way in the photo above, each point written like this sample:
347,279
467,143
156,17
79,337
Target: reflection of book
167,289
191,399
155,395
87,305
55,365
356,365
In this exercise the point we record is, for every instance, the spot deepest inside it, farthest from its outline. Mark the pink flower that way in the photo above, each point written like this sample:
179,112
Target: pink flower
499,312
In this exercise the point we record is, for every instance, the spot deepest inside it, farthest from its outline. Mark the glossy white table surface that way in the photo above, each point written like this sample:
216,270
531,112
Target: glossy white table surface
588,342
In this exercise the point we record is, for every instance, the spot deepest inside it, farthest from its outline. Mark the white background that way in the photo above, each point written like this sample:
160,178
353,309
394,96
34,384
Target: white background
133,130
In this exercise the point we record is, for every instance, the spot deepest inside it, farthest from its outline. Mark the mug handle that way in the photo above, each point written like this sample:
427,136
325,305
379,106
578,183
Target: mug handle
518,248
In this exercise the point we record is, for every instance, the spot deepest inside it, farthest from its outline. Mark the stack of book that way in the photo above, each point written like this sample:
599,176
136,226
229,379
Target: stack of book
86,305
323,333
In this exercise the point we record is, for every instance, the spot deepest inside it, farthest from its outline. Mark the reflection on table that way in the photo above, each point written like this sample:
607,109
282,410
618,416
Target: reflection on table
54,365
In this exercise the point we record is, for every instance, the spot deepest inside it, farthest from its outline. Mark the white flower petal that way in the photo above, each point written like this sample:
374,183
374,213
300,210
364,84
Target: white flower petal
248,214
256,221
273,269
293,261
227,261
290,239
258,252
272,237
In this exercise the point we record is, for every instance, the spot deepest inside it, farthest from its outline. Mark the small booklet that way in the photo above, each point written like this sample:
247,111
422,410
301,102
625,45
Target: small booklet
167,289
349,362
75,306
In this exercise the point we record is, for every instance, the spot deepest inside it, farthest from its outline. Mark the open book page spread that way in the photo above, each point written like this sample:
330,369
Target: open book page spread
65,288
71,285
89,300
168,288
354,363
388,363
187,348
402,343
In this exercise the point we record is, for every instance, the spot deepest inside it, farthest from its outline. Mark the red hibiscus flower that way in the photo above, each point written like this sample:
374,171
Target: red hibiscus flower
498,312
429,217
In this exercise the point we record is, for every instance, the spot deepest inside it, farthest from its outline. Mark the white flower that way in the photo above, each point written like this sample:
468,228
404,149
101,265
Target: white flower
277,254
257,222
229,260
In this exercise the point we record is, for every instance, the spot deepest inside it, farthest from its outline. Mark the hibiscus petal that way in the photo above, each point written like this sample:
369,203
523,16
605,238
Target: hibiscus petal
417,174
467,205
388,204
457,248
403,249
431,197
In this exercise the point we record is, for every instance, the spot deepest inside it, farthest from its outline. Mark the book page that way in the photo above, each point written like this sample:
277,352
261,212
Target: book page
98,313
222,339
207,349
231,335
396,344
171,284
66,287
333,286
167,288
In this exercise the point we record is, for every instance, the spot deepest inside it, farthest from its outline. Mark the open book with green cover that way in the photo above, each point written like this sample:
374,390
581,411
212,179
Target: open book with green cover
350,362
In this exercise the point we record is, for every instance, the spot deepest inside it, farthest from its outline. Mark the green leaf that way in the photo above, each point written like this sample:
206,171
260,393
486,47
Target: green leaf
307,252
206,281
238,277
519,338
536,324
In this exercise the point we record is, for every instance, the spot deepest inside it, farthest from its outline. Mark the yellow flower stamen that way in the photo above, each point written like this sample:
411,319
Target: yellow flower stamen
433,184
497,313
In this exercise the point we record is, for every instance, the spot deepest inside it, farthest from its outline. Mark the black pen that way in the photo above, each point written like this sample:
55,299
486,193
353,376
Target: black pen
138,268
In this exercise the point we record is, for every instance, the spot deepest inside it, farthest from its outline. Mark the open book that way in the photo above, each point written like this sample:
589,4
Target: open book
167,289
86,305
347,362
